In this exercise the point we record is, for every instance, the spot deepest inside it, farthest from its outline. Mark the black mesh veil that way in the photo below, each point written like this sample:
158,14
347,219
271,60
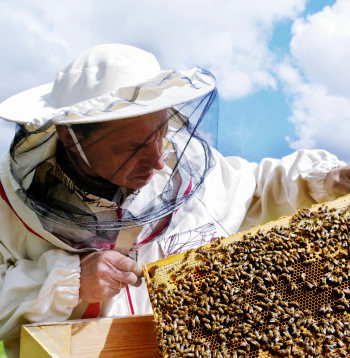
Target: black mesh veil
83,219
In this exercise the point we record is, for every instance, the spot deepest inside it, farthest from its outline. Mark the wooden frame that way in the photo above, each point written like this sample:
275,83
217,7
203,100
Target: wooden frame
132,336
285,220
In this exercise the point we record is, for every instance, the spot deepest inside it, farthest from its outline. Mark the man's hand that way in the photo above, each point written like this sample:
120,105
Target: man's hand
104,273
338,181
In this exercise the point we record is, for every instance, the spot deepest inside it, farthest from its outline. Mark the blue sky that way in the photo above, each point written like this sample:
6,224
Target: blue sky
281,66
259,122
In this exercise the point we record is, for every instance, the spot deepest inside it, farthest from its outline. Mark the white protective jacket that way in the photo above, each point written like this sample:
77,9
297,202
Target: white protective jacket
40,274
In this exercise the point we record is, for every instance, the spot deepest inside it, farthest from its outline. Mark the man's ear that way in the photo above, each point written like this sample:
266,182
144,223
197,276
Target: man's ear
66,138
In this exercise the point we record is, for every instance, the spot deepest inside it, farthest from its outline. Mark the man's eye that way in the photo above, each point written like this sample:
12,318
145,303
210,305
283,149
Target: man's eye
132,149
119,150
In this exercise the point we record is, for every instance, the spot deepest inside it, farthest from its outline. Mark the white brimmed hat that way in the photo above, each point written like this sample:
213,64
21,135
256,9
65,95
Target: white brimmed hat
103,83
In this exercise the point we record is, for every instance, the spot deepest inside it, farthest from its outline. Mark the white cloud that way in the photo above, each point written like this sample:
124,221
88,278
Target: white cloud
228,37
321,47
321,119
317,79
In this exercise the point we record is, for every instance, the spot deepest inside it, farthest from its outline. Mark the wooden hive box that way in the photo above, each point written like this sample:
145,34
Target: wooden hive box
132,336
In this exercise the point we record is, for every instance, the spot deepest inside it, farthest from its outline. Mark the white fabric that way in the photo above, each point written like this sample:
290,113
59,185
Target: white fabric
103,83
40,281
100,70
184,241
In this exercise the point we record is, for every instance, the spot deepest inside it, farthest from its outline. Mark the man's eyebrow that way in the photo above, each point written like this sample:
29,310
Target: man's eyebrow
140,144
136,145
160,128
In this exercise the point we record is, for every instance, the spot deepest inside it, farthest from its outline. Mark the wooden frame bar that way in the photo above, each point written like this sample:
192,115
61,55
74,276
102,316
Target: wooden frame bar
285,220
132,336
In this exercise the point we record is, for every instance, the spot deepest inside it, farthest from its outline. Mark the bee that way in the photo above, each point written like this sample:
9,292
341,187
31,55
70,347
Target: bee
222,337
293,286
152,270
309,261
188,253
263,288
280,309
344,301
324,287
208,326
225,297
340,307
279,268
247,291
309,284
241,352
274,277
337,291
220,310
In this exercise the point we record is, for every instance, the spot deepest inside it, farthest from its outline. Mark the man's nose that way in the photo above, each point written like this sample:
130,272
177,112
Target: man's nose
153,155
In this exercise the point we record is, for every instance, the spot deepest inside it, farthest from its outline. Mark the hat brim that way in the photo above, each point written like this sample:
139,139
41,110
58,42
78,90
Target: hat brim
24,106
170,88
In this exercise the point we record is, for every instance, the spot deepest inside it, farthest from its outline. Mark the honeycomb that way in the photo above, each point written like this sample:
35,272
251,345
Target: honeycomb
276,291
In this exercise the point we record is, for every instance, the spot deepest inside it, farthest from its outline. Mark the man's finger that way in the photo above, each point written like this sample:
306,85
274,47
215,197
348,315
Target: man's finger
129,265
344,171
337,181
116,285
124,263
126,277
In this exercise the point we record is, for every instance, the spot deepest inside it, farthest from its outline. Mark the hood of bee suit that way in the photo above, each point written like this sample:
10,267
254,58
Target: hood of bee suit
104,83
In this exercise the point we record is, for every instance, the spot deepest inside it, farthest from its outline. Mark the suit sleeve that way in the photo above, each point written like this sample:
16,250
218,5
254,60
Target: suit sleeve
33,288
283,186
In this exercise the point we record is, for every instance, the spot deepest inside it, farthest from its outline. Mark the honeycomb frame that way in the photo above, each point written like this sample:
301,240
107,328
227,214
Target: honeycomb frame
168,273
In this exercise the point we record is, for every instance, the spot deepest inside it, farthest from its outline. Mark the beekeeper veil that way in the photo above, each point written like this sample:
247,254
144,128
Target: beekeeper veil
116,109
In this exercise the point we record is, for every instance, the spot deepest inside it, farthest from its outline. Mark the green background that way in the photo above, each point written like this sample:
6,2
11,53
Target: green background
2,353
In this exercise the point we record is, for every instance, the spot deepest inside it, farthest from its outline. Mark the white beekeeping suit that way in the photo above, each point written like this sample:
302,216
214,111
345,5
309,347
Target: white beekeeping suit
48,219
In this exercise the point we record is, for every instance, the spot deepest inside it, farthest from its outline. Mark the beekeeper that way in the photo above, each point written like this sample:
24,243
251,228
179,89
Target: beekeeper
114,165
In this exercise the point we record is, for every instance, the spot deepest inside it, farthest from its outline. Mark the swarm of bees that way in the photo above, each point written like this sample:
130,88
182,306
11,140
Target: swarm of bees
283,293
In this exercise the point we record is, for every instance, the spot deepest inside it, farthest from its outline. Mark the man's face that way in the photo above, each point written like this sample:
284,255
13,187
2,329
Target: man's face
126,151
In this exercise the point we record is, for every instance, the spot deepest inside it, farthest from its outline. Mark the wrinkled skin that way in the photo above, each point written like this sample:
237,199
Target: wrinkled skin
124,152
104,273
338,181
